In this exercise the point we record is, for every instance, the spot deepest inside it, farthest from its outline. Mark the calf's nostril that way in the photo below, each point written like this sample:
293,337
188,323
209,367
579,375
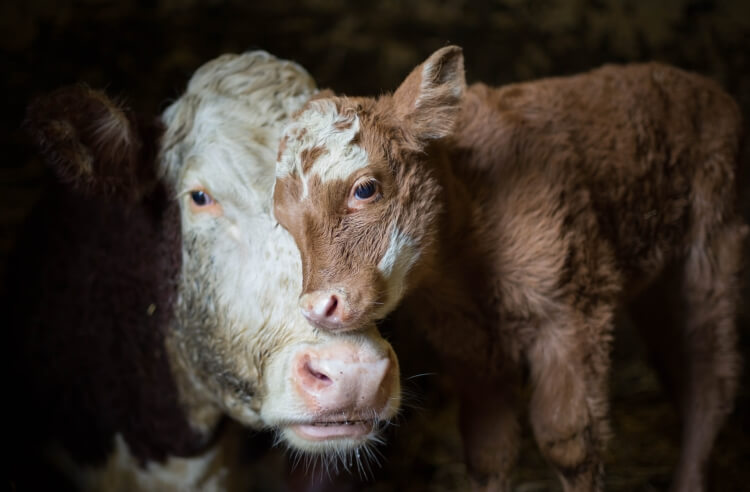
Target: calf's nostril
333,303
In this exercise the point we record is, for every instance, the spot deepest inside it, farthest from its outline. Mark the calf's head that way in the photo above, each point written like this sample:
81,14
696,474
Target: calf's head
355,188
237,343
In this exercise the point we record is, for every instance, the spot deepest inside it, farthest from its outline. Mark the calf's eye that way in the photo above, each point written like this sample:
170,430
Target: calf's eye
365,190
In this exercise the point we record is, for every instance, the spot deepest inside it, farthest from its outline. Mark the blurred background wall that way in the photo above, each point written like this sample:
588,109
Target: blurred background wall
144,51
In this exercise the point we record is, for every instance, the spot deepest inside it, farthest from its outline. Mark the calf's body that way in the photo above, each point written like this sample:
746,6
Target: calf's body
510,225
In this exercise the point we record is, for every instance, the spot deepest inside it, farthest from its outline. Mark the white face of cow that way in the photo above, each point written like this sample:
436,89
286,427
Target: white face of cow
356,189
240,337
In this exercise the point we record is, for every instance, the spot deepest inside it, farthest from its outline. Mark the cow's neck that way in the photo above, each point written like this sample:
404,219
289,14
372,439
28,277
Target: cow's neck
202,413
130,350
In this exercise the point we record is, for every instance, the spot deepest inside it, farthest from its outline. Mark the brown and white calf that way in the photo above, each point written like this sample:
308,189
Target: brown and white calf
153,294
511,223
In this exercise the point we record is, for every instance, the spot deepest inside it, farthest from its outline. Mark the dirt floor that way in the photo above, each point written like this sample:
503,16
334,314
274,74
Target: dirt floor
144,51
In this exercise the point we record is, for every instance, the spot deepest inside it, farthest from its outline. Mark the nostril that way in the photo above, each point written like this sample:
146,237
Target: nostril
328,311
318,375
333,302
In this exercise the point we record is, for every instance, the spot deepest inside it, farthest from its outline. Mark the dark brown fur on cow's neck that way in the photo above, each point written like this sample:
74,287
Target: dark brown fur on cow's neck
91,291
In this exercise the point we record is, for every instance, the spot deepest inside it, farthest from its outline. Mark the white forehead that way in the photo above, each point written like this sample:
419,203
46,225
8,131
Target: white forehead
223,133
231,157
322,127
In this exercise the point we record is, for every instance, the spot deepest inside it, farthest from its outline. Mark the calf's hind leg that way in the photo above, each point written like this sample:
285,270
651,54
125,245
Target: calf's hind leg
710,292
569,365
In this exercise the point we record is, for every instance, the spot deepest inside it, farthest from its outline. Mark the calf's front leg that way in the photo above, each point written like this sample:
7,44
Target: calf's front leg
568,409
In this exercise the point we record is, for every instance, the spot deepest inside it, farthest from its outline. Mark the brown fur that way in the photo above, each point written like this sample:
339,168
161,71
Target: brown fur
282,147
320,269
540,209
309,156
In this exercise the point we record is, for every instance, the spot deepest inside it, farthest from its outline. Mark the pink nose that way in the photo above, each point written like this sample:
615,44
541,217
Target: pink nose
342,379
325,309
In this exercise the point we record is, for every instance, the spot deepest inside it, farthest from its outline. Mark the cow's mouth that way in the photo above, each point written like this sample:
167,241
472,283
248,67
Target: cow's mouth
324,430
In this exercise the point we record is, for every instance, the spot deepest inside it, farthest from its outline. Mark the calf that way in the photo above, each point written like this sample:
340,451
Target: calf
511,223
153,295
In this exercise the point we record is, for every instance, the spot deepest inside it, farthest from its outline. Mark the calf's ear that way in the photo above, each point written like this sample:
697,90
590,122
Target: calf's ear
92,143
429,99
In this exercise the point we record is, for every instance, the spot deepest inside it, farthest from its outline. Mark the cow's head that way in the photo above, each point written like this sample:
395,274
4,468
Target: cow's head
237,342
354,188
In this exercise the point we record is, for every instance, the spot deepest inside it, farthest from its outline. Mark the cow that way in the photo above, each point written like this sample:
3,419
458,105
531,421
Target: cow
509,225
153,298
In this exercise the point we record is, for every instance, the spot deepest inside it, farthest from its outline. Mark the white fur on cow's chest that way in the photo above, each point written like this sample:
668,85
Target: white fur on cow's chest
210,471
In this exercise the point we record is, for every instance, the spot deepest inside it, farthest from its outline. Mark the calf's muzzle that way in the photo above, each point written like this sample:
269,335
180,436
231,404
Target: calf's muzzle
327,310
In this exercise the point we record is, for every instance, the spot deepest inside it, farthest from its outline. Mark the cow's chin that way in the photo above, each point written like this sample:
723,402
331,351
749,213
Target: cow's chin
333,395
335,432
329,437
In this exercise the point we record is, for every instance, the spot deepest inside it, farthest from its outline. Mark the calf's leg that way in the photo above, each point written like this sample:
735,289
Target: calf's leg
569,364
711,292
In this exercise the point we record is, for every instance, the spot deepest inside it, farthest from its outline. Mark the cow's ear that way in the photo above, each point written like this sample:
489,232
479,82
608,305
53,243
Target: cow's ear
94,144
429,99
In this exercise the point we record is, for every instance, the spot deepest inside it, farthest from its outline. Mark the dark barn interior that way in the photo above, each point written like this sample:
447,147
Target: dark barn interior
144,51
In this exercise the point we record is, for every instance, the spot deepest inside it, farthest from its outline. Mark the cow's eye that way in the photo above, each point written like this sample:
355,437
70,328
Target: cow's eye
202,202
365,190
201,198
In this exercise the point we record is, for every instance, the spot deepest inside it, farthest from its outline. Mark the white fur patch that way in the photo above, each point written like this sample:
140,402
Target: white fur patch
395,265
240,99
122,471
322,126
